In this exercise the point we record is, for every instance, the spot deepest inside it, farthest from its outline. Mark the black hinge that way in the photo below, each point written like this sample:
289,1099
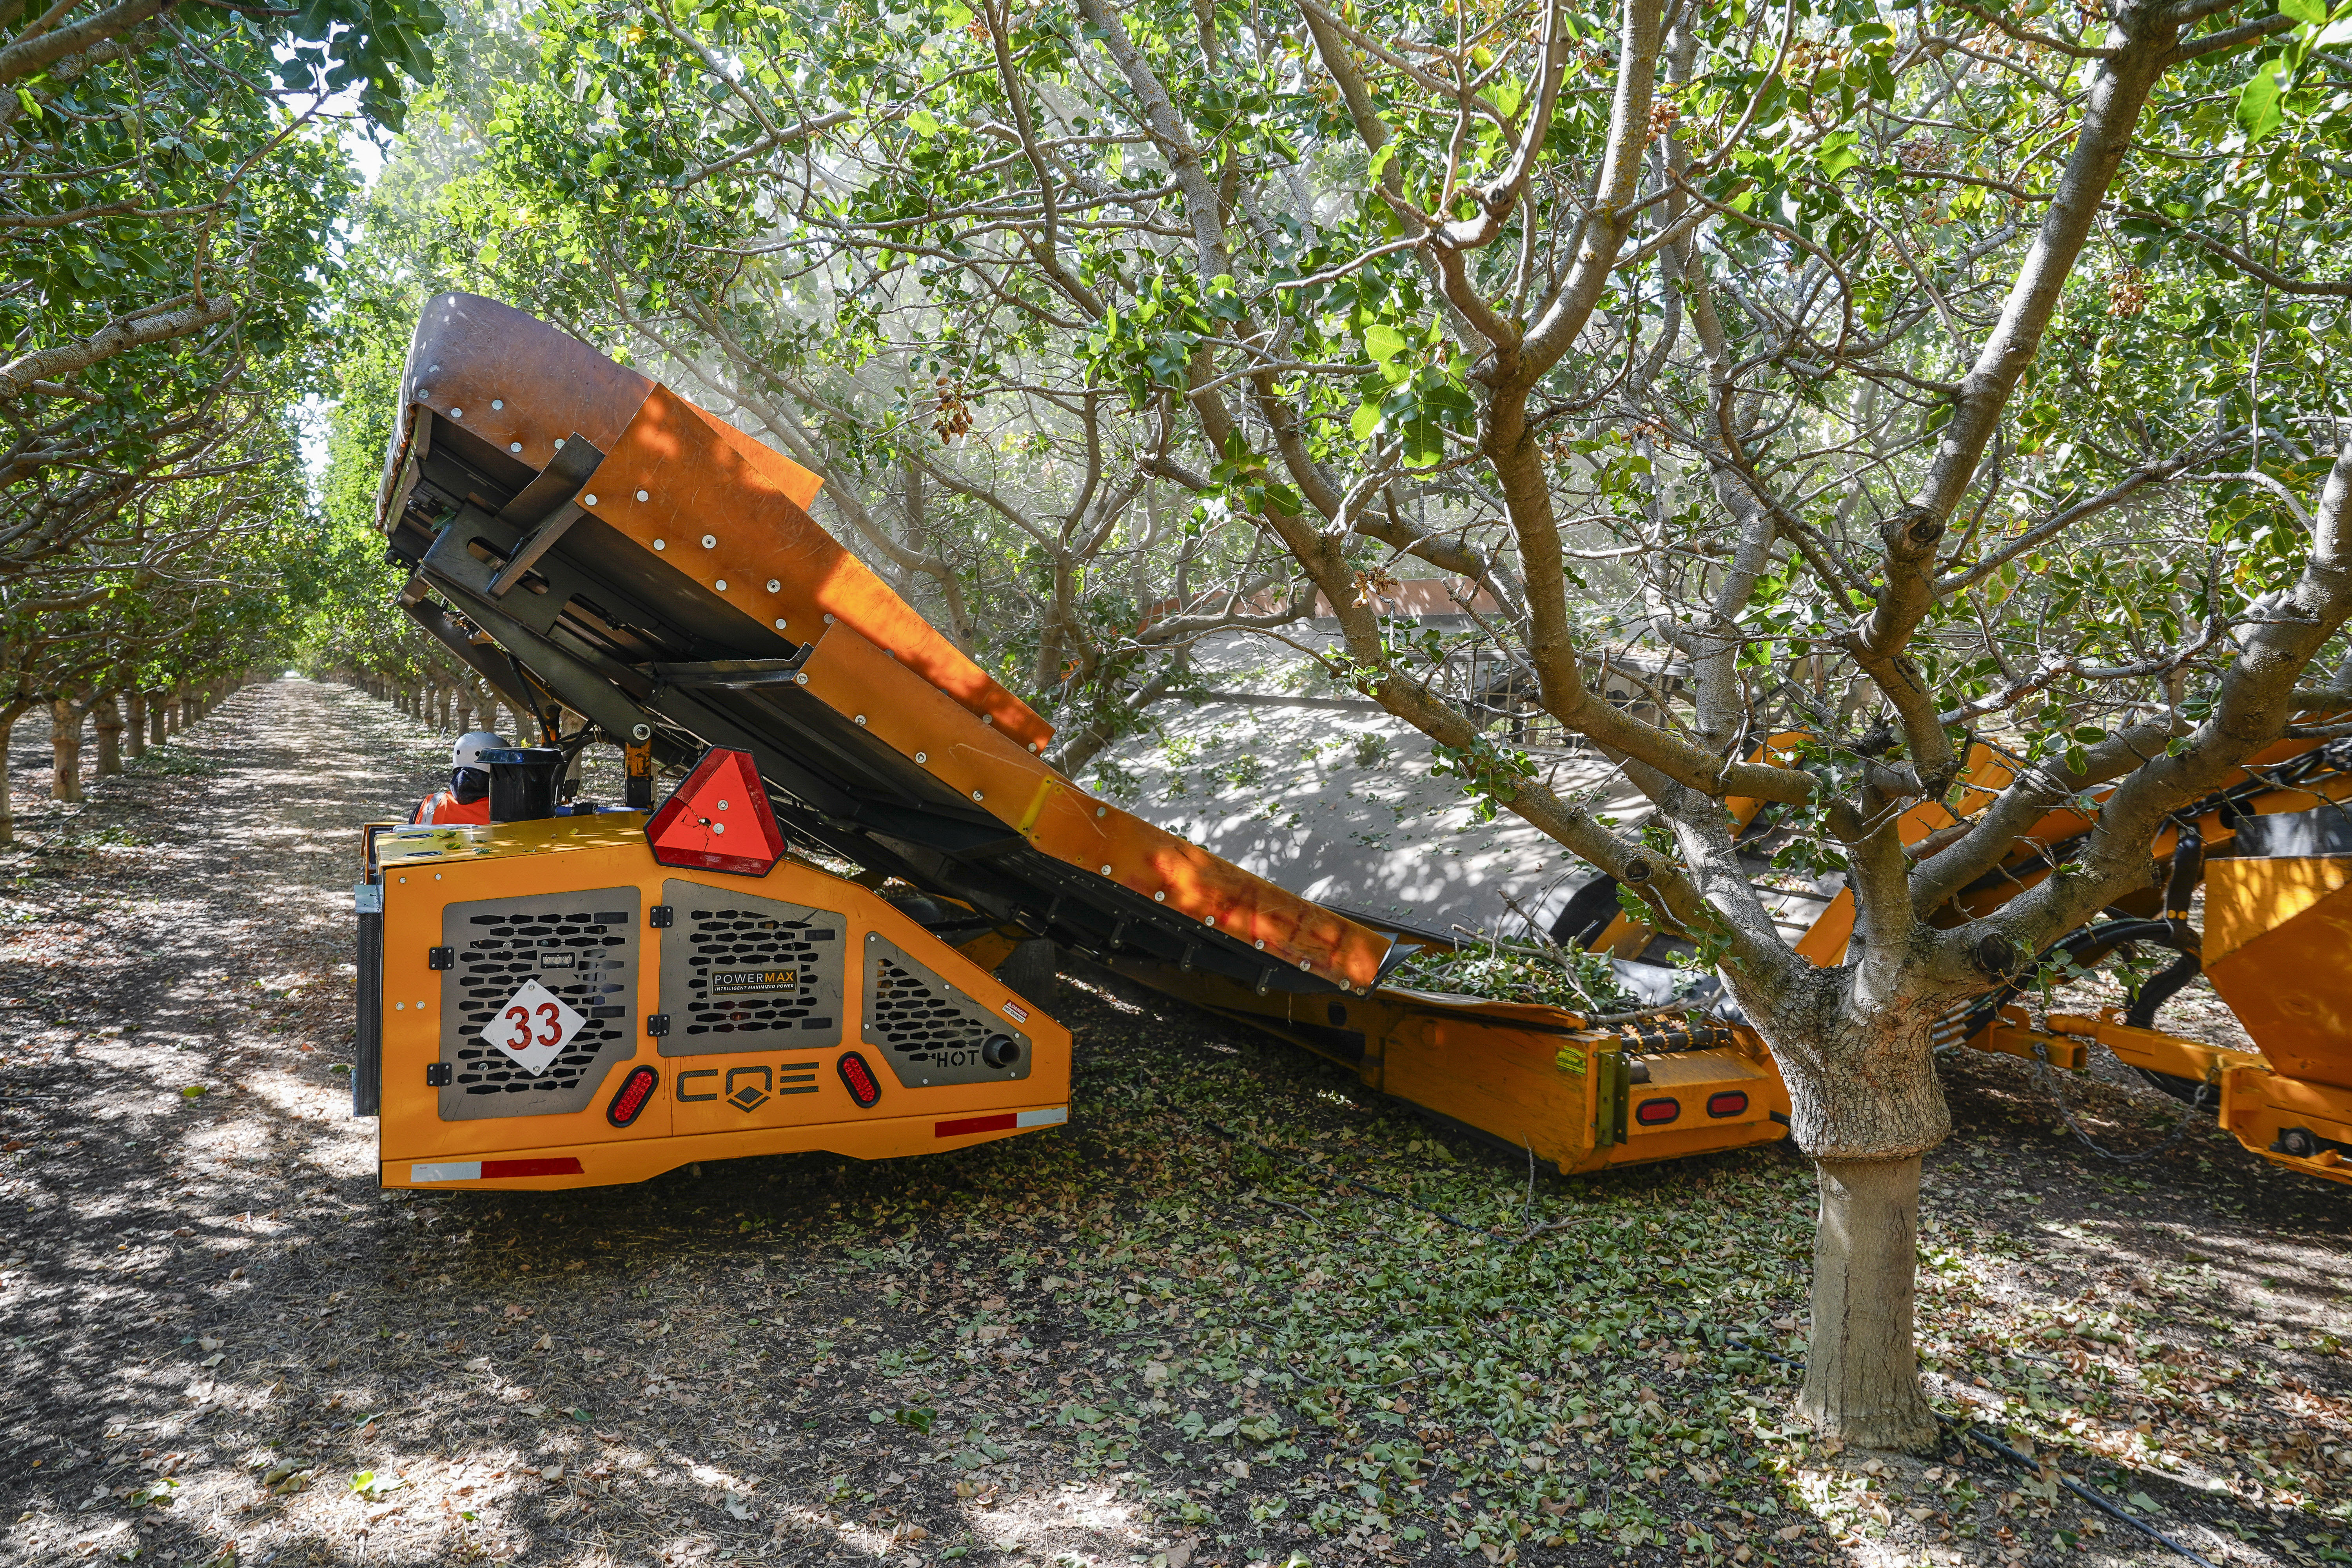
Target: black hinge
660,916
436,1076
440,958
657,1025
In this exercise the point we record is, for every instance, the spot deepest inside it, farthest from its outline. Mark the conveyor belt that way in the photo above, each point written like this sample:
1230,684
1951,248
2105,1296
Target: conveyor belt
655,570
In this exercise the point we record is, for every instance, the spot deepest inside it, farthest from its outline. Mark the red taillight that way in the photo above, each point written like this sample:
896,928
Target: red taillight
1657,1112
636,1090
492,1169
1731,1102
858,1079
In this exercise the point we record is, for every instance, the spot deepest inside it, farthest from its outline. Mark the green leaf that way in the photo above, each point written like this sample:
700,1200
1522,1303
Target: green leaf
2260,109
1383,342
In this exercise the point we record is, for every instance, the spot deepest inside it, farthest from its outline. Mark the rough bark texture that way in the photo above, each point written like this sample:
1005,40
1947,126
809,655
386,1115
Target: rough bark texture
1862,1376
134,727
107,718
65,750
1860,1069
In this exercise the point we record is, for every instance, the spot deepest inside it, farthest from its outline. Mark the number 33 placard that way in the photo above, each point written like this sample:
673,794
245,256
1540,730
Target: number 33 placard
533,1027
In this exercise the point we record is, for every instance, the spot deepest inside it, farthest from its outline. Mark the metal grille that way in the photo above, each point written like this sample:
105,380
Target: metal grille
931,1032
583,947
749,975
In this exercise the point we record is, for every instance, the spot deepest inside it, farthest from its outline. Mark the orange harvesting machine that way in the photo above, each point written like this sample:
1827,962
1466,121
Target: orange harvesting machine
804,946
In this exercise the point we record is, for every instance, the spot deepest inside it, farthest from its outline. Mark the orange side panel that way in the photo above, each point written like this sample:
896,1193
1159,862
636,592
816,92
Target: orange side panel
982,764
701,481
1825,945
1502,1080
2277,933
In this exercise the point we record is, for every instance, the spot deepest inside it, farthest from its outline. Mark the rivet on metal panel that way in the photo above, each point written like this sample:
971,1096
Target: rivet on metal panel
800,680
1102,811
711,542
828,619
1261,944
1106,870
514,445
1208,920
590,500
643,496
922,756
433,370
423,395
457,413
497,403
775,588
1304,965
1159,897
780,623
658,543
558,443
720,584
988,717
975,795
861,720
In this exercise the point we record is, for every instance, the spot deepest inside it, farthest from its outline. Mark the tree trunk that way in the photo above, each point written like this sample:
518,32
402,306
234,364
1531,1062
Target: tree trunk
9,713
1855,1047
159,719
134,728
1862,1373
65,750
108,714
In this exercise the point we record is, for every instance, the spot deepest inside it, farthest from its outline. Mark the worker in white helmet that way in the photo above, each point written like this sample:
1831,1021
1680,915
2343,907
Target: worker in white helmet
468,798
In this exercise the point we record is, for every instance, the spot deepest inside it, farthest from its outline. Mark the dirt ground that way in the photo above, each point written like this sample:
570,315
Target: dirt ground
1239,1311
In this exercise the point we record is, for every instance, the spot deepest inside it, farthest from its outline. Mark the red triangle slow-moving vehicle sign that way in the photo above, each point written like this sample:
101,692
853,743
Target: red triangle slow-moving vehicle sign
718,820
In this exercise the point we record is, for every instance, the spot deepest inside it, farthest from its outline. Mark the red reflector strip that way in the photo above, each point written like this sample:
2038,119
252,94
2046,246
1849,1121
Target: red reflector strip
492,1169
636,1090
956,1129
1657,1112
1731,1102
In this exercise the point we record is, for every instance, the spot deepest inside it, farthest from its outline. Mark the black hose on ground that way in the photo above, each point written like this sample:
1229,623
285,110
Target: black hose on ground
1965,1433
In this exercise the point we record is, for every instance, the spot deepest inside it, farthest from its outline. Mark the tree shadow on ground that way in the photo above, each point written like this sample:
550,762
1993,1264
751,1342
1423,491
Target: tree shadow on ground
1140,1337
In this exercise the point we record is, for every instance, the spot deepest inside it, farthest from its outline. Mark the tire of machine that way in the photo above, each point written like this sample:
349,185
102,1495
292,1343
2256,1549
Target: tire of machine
1030,968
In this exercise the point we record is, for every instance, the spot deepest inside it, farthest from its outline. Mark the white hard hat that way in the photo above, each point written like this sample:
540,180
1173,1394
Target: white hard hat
467,751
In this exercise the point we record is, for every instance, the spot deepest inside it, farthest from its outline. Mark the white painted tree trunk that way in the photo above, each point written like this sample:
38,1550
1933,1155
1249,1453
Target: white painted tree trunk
1856,1051
1862,1371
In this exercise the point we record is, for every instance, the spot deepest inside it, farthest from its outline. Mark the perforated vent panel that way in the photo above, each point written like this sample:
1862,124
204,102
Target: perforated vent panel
748,975
930,1032
583,947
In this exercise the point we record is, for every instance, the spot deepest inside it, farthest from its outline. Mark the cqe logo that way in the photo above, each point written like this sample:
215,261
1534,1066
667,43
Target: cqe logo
750,1087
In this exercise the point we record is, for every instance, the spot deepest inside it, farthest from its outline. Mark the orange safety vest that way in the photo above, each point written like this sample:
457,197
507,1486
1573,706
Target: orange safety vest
444,807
